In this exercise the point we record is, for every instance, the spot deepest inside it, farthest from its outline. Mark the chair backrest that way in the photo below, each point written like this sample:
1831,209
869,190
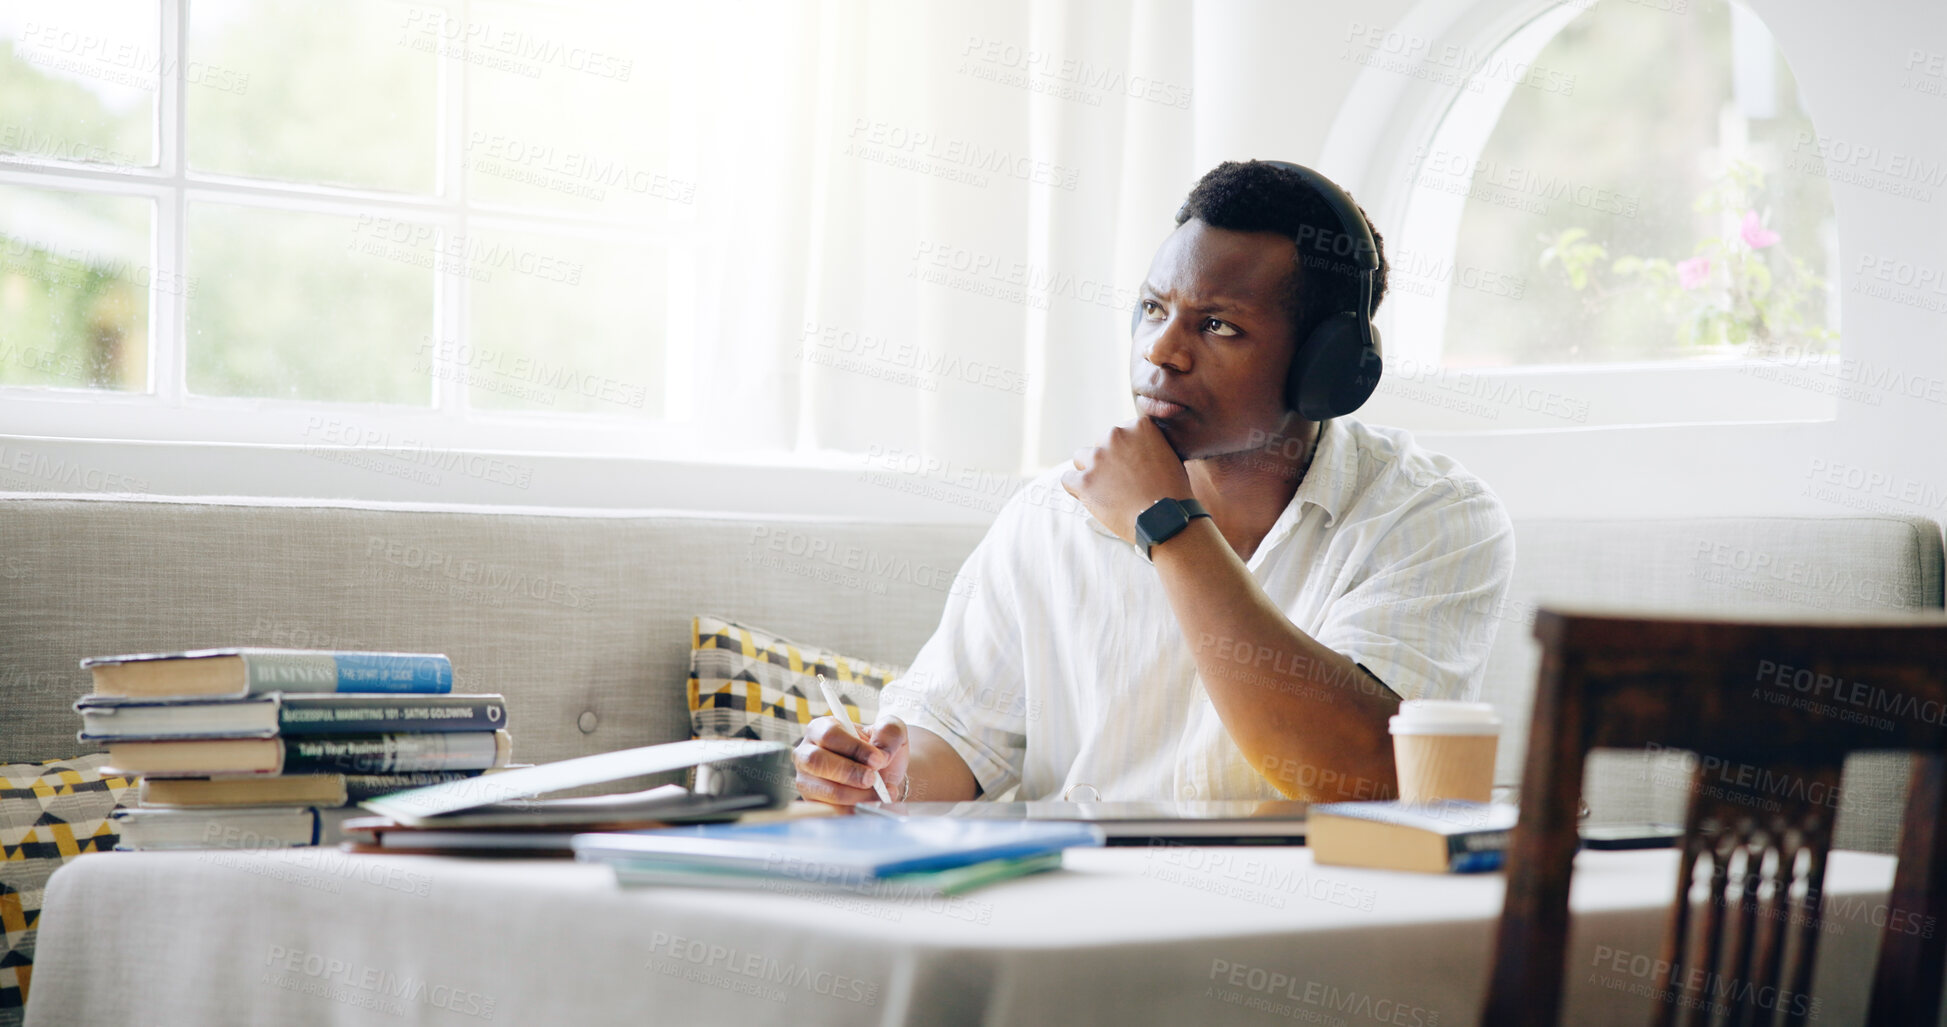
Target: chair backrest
1784,701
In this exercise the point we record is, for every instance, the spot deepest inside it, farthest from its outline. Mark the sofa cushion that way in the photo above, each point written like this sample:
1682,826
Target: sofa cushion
580,618
50,813
747,682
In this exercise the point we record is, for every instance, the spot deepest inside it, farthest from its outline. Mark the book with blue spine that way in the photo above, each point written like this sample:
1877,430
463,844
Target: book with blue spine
240,671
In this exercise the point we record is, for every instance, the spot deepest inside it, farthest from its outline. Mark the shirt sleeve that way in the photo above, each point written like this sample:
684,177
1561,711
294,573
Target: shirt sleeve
968,682
1424,616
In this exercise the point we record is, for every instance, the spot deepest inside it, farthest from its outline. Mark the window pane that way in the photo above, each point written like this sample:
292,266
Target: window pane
74,289
1649,188
78,82
567,110
308,306
563,325
325,93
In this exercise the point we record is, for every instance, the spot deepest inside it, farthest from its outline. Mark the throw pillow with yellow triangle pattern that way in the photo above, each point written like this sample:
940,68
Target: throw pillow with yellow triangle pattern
50,813
746,682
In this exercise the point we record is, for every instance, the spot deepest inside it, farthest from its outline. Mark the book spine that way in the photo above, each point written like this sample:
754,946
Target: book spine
140,829
377,715
391,753
1476,851
349,672
192,793
93,732
359,787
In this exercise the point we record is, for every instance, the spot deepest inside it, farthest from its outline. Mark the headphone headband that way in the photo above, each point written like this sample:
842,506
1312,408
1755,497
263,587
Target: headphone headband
1353,243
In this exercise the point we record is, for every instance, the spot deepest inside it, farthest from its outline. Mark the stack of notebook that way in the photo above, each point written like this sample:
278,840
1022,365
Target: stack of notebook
873,856
511,813
256,748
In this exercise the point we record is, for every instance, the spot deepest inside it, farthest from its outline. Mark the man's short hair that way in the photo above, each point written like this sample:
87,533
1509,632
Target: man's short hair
1254,196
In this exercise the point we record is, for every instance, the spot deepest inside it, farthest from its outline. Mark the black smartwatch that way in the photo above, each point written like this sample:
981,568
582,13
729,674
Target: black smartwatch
1163,520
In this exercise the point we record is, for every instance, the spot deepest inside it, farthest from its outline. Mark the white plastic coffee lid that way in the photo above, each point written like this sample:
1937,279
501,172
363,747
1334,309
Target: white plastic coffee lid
1442,717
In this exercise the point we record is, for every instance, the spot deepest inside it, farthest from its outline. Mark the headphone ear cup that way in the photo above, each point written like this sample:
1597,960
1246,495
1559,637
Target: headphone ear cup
1336,370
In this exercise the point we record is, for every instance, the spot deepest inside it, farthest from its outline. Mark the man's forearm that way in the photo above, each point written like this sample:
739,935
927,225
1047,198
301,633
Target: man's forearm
937,772
1309,719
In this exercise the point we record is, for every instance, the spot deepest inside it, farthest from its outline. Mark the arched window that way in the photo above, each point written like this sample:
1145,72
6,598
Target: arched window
1622,194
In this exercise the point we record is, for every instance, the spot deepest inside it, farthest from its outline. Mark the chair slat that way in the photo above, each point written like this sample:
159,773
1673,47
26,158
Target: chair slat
1770,940
1754,844
1695,991
1675,945
1808,936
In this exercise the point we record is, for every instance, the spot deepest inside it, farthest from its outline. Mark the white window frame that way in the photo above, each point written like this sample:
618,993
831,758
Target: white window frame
164,441
166,411
1382,131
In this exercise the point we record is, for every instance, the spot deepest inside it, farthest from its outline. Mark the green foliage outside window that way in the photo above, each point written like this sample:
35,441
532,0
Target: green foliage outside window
1741,288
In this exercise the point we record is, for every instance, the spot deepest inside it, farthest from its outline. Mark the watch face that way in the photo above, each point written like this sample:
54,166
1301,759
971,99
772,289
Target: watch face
1158,523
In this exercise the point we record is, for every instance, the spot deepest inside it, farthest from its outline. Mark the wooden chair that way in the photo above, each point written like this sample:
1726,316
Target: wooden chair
1732,690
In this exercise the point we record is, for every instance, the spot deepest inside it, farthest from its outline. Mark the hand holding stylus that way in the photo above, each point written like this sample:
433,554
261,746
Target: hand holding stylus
844,718
840,764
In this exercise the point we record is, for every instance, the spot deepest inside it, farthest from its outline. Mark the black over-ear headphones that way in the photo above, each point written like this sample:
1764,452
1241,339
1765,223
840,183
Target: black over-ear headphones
1334,369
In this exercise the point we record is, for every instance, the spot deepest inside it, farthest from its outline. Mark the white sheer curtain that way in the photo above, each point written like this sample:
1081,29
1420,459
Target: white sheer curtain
921,225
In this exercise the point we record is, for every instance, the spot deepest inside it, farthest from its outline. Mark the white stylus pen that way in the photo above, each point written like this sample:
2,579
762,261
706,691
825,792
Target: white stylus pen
845,721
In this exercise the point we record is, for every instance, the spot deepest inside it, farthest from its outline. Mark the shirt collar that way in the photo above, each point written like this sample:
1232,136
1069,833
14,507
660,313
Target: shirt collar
1328,485
1334,474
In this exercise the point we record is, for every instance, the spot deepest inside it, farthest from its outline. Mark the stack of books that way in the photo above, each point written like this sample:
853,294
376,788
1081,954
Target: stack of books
262,748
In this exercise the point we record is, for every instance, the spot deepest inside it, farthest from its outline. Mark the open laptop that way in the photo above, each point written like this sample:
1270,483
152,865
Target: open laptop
1219,822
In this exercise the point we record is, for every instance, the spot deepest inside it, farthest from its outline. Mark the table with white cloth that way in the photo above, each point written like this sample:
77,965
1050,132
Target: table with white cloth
1163,934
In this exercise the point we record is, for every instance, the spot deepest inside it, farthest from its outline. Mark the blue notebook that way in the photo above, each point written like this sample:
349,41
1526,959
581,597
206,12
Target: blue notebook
835,846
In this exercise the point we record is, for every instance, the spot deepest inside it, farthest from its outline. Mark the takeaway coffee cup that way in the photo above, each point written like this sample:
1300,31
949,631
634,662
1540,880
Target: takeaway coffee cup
1445,750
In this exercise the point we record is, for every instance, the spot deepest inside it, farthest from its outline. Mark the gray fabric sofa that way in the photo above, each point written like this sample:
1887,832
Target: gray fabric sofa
582,619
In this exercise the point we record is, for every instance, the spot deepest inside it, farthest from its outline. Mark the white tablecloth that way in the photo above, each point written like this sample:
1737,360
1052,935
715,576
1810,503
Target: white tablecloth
1166,935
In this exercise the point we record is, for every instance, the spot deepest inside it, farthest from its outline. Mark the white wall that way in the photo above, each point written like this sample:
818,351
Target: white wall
1848,58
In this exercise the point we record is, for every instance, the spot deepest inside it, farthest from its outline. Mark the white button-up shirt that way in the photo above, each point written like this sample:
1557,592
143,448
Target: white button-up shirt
1058,662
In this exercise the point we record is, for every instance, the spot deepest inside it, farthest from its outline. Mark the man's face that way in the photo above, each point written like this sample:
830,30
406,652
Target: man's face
1213,343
